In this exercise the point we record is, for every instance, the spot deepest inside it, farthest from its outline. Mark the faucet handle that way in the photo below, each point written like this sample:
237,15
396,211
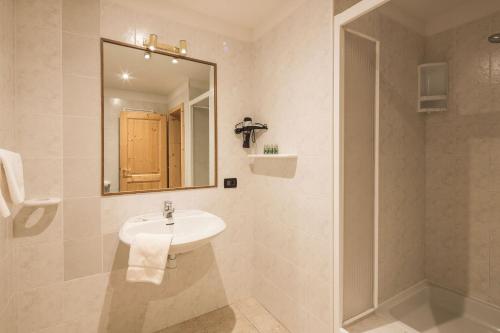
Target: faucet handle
168,205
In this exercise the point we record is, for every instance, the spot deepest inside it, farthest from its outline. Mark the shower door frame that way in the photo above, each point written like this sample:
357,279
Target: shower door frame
340,21
376,150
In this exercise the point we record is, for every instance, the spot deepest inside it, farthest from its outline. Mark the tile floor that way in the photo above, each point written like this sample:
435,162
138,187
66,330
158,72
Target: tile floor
375,324
247,316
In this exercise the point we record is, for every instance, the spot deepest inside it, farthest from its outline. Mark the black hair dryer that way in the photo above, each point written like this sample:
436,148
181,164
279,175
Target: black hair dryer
248,128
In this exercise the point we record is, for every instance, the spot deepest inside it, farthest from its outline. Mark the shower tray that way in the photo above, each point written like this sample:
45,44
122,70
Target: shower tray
427,308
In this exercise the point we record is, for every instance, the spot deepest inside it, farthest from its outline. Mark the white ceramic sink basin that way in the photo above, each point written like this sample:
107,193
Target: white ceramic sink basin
191,229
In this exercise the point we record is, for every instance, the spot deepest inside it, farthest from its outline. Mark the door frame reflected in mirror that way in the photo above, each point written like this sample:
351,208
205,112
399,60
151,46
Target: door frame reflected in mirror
213,172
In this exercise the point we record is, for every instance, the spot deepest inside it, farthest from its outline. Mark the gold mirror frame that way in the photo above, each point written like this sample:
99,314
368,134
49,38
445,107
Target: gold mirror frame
174,55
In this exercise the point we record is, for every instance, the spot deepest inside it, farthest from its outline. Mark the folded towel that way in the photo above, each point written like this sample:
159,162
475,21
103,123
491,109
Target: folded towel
148,258
13,166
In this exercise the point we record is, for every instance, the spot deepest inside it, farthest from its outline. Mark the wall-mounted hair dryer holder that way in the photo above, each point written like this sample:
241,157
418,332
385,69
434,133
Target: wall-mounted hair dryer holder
247,128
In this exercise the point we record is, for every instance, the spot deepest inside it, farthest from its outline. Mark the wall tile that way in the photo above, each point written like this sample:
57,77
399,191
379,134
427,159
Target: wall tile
39,136
85,297
39,14
81,177
8,318
7,281
50,184
81,16
462,168
82,218
82,257
81,137
38,265
39,308
82,96
117,22
80,55
38,49
41,95
285,222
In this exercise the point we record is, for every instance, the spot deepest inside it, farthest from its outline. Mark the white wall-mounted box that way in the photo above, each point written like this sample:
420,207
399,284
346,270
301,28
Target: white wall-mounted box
433,87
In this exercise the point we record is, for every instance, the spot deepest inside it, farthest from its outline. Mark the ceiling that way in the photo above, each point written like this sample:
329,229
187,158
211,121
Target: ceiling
157,75
249,14
241,19
429,17
426,10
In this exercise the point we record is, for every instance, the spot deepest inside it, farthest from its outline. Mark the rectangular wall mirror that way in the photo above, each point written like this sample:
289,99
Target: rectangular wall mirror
159,118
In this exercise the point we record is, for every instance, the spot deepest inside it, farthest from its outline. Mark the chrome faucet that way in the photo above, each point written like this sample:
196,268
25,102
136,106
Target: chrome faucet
168,211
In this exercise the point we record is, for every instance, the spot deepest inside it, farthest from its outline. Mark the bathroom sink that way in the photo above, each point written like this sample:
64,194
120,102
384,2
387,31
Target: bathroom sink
191,229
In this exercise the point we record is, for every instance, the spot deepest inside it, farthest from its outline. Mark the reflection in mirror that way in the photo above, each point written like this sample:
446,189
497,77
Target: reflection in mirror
159,116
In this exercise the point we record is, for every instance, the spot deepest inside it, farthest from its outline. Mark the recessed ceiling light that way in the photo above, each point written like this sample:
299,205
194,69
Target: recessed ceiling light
125,76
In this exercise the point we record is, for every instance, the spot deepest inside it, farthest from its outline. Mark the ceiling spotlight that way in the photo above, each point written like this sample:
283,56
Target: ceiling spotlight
147,55
125,76
175,61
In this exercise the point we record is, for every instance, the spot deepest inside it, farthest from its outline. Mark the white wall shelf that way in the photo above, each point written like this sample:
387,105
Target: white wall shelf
433,98
274,165
433,87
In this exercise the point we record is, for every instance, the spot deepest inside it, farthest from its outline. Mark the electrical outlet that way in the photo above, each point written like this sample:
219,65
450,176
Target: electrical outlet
230,182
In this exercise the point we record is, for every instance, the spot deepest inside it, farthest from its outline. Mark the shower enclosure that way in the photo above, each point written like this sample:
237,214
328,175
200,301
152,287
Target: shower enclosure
417,196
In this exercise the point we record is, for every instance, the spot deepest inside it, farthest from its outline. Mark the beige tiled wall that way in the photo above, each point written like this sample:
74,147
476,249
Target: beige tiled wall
70,269
38,253
7,141
293,84
70,272
462,146
402,155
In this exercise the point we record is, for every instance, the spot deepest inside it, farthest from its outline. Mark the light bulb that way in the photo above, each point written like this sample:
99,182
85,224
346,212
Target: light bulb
147,55
125,76
175,61
183,46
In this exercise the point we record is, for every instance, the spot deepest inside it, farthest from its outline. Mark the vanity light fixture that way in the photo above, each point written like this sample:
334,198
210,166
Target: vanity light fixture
183,47
152,44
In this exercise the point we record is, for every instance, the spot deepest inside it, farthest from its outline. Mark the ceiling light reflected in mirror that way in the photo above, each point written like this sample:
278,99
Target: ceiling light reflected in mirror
125,76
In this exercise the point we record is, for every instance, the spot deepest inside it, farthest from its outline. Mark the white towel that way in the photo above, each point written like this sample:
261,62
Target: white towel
148,258
13,166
